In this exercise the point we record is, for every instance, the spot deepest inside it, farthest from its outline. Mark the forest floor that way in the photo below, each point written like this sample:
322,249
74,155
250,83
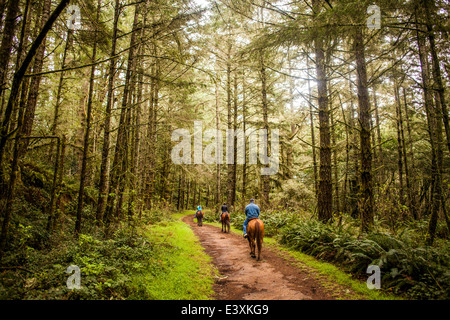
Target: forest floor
278,276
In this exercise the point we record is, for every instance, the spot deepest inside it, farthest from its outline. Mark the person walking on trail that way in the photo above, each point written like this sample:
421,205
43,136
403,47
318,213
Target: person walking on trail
199,208
223,209
251,211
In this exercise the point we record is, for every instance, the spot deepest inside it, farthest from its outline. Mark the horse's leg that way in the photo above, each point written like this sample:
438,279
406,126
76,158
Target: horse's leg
259,238
250,245
253,249
259,248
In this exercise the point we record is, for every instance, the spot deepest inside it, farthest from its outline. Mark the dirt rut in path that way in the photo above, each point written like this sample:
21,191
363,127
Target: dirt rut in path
244,278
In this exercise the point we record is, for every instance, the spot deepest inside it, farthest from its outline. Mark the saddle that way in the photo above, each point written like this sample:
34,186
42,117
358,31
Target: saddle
250,219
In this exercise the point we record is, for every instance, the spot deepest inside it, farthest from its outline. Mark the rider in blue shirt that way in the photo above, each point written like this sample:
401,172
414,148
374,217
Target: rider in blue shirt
251,211
199,208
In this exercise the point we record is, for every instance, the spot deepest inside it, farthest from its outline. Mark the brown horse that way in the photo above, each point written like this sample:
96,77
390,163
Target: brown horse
255,233
200,218
225,218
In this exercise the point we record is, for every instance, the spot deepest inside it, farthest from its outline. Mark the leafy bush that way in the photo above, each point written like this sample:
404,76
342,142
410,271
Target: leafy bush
416,272
294,194
106,266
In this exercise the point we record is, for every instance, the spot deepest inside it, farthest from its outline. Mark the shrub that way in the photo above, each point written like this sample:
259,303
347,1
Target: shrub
416,272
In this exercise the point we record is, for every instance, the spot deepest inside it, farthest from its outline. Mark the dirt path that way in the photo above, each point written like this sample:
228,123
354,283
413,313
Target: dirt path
244,278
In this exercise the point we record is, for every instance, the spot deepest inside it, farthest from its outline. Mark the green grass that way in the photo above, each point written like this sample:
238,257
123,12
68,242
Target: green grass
186,271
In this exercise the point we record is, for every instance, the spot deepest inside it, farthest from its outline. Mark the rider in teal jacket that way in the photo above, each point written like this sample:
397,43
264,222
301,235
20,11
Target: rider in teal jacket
199,208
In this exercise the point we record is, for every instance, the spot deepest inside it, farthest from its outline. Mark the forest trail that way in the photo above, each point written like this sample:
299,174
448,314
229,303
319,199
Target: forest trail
244,278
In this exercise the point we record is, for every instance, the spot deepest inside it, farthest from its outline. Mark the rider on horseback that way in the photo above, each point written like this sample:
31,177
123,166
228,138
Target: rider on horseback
251,211
223,209
199,208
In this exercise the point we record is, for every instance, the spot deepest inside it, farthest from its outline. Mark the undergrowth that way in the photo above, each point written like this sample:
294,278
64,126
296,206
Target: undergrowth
159,259
148,255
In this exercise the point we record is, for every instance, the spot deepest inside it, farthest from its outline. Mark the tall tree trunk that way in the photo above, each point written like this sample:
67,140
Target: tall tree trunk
218,160
124,175
399,144
103,183
87,131
55,186
188,193
313,135
438,176
36,80
151,128
117,171
55,197
355,154
6,47
335,164
429,8
378,129
179,192
230,148
235,114
166,172
265,113
135,139
289,150
244,128
347,160
325,196
366,193
409,191
408,127
195,201
436,190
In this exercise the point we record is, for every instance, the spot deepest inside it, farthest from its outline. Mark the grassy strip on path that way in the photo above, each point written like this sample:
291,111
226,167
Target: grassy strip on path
186,271
340,284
